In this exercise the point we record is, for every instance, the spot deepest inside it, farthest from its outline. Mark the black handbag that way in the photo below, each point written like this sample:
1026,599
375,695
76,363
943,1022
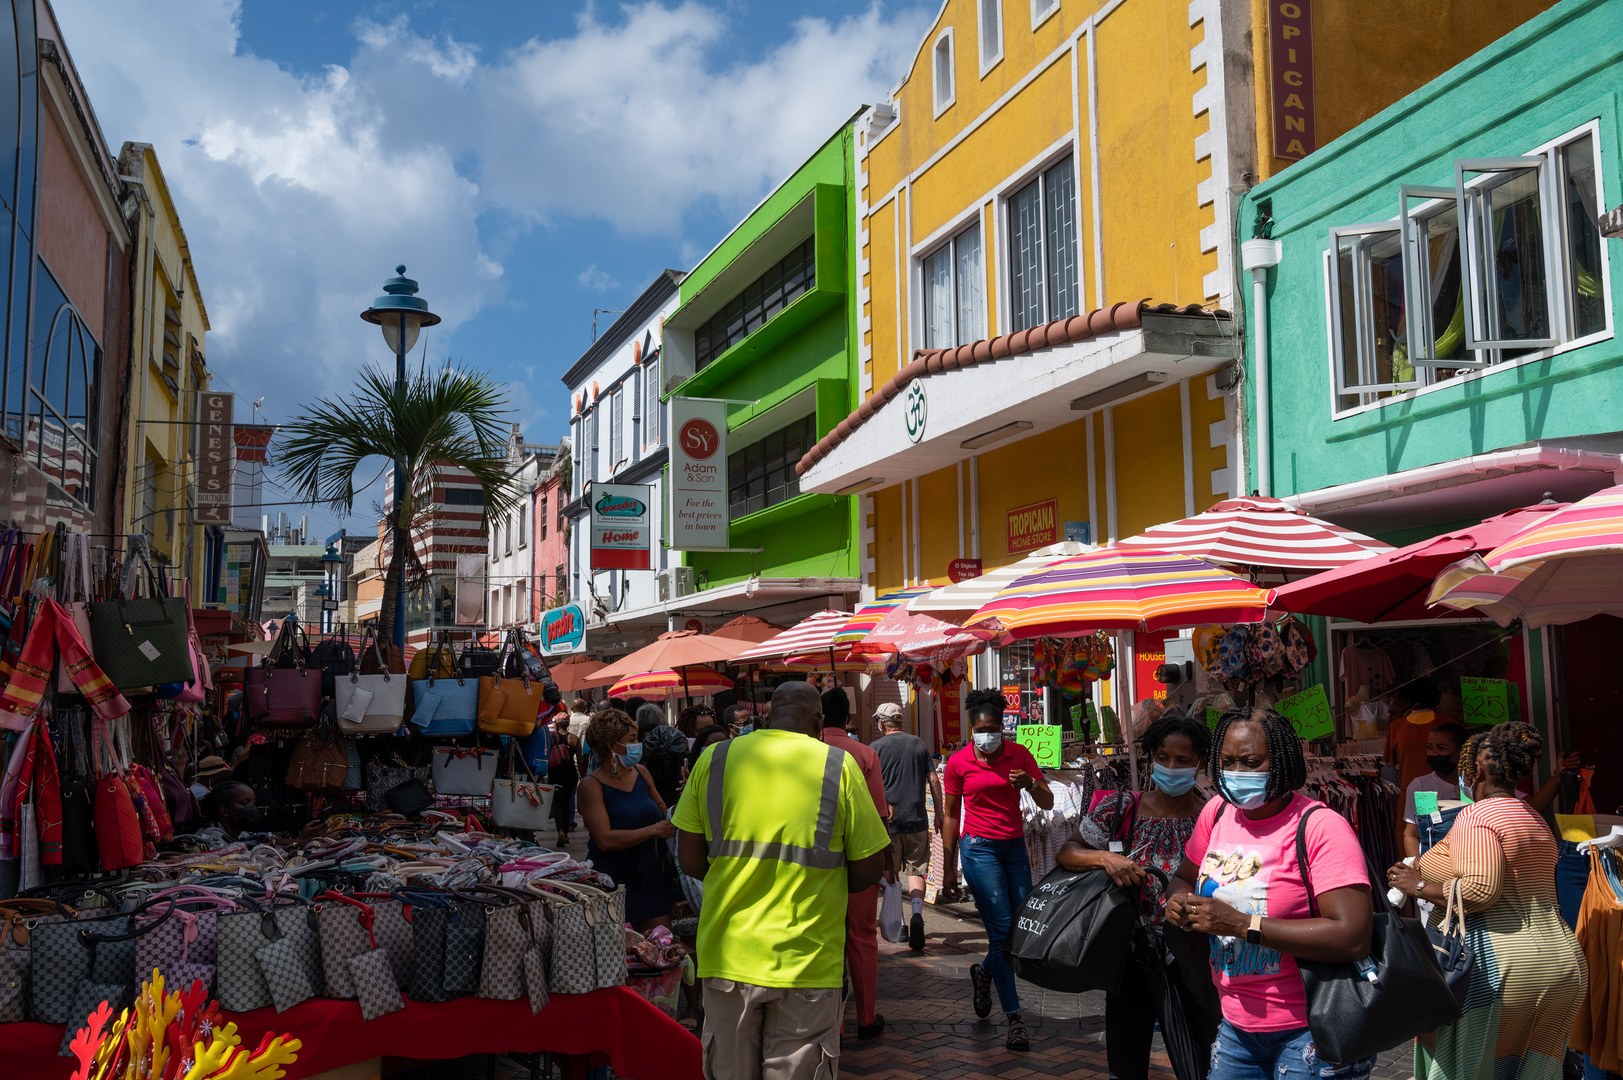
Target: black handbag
141,642
1357,1010
448,943
1074,932
1454,956
411,797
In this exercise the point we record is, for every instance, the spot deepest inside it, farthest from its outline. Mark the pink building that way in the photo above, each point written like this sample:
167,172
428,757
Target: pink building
551,531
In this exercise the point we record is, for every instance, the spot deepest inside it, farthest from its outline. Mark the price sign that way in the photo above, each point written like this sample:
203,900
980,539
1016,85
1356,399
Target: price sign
1043,742
1425,803
1212,717
1308,712
1486,701
1076,722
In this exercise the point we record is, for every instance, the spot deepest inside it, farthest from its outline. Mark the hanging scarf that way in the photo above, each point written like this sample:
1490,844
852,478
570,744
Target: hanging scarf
53,629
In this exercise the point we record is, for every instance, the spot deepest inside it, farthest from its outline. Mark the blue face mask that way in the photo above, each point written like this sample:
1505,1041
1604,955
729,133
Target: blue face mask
1172,781
632,755
1247,790
745,729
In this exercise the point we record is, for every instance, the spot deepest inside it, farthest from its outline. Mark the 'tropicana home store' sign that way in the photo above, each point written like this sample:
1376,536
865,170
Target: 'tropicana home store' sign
1034,526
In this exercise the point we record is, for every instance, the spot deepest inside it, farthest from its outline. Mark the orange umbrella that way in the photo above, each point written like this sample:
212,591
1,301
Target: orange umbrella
747,631
572,677
671,651
688,682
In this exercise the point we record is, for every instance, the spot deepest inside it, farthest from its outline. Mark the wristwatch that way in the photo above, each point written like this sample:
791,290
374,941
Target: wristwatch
1253,933
1419,887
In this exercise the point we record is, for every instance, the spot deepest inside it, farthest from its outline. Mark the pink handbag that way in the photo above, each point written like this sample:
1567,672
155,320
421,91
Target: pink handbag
76,574
201,684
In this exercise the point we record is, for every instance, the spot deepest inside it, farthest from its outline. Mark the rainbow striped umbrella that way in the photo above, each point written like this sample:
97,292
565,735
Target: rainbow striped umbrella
1121,589
846,659
869,615
1564,569
690,682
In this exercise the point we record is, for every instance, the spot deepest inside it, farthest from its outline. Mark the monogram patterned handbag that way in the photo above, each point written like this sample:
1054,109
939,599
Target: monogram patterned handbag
518,937
18,921
374,983
353,925
448,935
95,950
588,936
383,777
240,983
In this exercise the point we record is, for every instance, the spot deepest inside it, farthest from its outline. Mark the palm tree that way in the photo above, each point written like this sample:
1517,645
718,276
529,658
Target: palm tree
436,420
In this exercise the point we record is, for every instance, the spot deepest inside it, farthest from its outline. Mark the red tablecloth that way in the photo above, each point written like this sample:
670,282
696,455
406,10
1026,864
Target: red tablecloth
613,1025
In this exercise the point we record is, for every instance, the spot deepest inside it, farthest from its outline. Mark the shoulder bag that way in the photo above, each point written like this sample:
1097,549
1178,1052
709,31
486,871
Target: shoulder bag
184,948
435,663
464,770
118,827
319,762
509,706
18,921
68,954
588,936
370,704
352,925
448,942
384,775
1454,956
292,697
140,641
444,704
249,973
1074,932
1354,1016
517,803
333,657
517,941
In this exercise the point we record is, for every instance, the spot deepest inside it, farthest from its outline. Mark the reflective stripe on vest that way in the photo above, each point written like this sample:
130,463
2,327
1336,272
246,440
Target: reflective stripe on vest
821,856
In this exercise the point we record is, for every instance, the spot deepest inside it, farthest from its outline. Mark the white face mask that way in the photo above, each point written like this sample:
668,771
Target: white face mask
988,742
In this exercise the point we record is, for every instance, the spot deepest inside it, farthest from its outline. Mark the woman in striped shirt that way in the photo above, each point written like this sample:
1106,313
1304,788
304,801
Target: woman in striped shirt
1529,978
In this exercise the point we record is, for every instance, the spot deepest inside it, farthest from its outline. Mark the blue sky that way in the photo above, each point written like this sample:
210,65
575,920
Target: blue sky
527,161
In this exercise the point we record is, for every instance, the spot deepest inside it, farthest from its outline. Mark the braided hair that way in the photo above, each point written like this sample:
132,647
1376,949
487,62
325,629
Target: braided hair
1287,768
1175,721
1509,752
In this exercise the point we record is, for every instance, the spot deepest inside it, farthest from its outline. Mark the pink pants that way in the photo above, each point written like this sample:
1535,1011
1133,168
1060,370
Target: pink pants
862,950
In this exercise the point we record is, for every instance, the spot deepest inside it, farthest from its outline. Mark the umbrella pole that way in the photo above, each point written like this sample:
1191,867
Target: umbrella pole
686,697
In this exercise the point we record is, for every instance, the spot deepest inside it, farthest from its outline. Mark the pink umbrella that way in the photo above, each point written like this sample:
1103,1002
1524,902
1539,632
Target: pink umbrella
918,638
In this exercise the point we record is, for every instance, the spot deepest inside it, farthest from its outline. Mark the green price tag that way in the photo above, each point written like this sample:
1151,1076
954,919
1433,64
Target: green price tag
1486,701
1107,724
1076,722
1425,802
1043,742
1309,713
1212,717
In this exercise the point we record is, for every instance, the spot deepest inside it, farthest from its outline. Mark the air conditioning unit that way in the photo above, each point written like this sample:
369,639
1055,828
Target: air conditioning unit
675,582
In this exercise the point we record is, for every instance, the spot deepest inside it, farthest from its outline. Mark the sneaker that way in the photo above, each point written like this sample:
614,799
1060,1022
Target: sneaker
915,932
873,1030
981,983
1017,1040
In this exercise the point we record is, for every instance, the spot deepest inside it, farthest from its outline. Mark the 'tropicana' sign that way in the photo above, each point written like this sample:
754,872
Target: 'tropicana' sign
1034,526
1290,55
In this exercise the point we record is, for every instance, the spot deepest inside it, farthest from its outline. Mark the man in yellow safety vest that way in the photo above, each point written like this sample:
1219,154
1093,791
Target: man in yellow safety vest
781,828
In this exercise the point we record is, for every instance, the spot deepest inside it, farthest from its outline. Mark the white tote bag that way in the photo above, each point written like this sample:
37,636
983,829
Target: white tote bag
891,925
521,804
465,770
387,709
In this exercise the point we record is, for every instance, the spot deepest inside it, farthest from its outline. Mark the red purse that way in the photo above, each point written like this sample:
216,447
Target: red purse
118,826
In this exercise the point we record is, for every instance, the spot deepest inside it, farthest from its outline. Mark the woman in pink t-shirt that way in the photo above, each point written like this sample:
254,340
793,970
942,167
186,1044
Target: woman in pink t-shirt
1241,882
983,785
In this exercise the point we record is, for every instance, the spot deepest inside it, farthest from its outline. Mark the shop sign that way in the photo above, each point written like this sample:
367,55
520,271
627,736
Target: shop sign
1290,54
563,630
1308,712
214,451
1486,701
1034,526
1079,531
698,474
952,712
622,527
1011,699
1043,740
1149,653
963,569
917,411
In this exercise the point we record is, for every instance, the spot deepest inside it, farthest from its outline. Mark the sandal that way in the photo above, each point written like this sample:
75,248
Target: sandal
981,983
1017,1040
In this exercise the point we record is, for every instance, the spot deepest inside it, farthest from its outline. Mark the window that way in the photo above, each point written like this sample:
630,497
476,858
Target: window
560,577
617,423
541,518
1507,261
1043,281
763,473
761,299
955,292
59,428
941,62
591,448
991,33
522,612
495,606
464,497
656,423
507,528
1041,10
521,529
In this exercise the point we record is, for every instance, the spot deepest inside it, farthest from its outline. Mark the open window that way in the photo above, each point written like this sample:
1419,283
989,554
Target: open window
1430,222
1512,281
1367,313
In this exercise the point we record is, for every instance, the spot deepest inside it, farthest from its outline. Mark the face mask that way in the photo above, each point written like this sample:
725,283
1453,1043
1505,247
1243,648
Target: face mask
988,742
1440,764
852,734
745,729
632,755
1172,781
248,816
1247,790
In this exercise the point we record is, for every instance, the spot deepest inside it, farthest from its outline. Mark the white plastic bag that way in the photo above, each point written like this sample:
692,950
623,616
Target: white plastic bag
891,924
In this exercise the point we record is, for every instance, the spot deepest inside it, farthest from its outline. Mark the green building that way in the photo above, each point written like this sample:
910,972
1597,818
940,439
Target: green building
1432,341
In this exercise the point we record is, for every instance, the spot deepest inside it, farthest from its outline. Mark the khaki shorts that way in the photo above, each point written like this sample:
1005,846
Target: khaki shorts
911,852
767,1033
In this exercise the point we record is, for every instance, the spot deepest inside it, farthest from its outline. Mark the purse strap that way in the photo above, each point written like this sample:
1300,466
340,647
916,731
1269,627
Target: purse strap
1378,896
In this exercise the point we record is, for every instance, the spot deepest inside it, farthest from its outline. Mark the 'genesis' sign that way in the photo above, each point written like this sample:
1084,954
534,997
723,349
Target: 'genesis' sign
214,450
698,474
622,527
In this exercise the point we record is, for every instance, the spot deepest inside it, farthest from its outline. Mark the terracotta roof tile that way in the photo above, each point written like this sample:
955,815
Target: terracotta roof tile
1105,320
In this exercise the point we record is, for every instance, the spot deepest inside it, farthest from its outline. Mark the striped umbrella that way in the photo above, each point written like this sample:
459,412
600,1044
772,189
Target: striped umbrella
843,659
918,638
813,634
689,682
1564,569
1258,531
1121,589
970,594
870,614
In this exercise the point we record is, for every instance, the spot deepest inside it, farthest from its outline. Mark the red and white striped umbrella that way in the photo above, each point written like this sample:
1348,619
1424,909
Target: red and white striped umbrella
810,635
1259,531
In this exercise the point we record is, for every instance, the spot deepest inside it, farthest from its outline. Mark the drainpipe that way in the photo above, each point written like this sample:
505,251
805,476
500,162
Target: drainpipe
1258,256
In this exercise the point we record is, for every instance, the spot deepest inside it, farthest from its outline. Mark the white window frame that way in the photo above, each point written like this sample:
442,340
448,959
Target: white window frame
1042,11
1488,352
617,426
943,102
1004,235
962,335
989,59
1363,311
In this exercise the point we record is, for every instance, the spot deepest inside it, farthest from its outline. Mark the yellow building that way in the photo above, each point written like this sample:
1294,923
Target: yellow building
168,375
1044,167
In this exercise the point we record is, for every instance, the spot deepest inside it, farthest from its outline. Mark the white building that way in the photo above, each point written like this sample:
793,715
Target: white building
618,435
510,581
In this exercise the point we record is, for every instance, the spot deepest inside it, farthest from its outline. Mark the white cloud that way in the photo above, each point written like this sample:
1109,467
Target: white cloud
596,279
300,194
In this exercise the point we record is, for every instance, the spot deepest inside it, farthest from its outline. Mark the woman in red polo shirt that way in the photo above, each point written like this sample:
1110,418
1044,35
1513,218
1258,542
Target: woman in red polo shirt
983,785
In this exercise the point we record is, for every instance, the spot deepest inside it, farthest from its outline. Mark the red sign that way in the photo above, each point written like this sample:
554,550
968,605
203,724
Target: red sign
699,438
1034,526
952,712
695,625
1011,699
1149,653
1290,54
963,569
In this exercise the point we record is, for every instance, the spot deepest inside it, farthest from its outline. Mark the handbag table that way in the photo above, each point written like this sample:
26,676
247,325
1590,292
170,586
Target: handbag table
613,1026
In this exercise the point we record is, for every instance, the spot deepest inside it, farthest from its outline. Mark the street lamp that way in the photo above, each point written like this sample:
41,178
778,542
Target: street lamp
322,592
331,565
400,313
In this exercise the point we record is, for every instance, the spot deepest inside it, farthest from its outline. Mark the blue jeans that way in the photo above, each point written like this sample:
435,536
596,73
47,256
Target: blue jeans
1276,1055
998,872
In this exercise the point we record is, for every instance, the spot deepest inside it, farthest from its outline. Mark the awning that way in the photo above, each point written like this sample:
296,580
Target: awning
757,596
815,634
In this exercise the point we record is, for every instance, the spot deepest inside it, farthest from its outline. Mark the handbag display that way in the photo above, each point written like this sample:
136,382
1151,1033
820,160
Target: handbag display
141,641
521,804
444,704
18,921
464,770
448,940
352,925
1454,956
588,936
1074,932
387,708
319,762
97,950
241,974
1353,1017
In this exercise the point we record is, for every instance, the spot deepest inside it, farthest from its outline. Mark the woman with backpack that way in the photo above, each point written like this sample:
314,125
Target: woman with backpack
1124,833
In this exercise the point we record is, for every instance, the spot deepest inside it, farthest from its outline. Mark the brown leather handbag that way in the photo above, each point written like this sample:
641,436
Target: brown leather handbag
319,762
